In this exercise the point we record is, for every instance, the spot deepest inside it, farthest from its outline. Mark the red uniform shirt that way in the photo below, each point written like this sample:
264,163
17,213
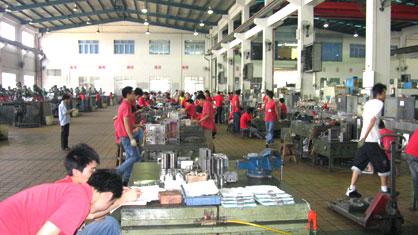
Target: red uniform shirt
387,140
208,123
208,98
283,108
66,179
183,103
64,205
191,110
270,114
124,111
97,97
265,99
412,147
219,99
244,120
82,97
141,102
235,104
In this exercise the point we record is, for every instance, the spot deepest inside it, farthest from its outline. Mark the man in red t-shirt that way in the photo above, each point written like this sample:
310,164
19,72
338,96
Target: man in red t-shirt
245,124
82,102
207,120
208,97
412,159
219,102
270,117
58,208
235,109
124,132
98,99
283,109
190,109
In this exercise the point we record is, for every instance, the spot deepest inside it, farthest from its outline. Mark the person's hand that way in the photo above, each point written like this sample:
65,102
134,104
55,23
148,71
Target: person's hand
133,143
131,195
360,143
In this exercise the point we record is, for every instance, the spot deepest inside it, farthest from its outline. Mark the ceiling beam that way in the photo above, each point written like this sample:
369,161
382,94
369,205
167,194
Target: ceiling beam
129,19
162,2
128,11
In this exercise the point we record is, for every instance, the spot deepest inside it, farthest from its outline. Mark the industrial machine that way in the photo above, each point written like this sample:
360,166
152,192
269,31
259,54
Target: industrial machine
346,103
400,108
381,211
261,165
215,166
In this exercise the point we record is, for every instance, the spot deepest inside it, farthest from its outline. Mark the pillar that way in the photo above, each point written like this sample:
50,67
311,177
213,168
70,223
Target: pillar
267,63
378,37
229,60
245,45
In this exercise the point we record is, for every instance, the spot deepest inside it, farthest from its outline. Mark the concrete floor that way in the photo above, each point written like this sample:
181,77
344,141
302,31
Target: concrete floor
33,156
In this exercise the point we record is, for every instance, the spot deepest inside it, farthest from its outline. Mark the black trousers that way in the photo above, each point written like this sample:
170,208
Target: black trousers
65,132
218,117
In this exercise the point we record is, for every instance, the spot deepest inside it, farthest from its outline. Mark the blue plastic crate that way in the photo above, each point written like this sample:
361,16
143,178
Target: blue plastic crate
209,200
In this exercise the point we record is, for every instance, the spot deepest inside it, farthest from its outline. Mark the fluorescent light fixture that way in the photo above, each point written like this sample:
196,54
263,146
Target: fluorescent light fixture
195,33
75,7
210,11
201,24
355,35
88,22
326,25
144,10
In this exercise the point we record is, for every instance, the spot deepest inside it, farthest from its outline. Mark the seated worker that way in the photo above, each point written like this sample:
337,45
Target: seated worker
283,109
80,163
411,151
246,127
190,109
58,208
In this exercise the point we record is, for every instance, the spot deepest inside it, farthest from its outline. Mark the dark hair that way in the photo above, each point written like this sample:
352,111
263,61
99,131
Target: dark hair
238,92
381,124
281,100
105,180
250,110
190,101
138,91
65,96
270,94
200,92
219,92
200,97
378,89
79,157
126,91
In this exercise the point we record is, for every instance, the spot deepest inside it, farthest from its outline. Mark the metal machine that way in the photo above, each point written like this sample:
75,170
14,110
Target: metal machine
346,103
381,211
400,108
261,165
215,165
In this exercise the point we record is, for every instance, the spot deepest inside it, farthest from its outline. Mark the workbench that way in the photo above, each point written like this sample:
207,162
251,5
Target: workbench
332,150
179,219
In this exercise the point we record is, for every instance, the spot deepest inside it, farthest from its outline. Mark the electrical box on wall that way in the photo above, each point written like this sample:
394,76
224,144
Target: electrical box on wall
312,58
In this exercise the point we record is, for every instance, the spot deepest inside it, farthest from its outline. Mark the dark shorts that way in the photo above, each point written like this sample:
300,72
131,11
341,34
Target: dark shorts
371,152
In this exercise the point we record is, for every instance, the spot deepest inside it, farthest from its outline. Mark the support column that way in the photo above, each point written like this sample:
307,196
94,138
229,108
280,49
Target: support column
245,45
229,60
267,63
377,43
305,36
21,55
219,60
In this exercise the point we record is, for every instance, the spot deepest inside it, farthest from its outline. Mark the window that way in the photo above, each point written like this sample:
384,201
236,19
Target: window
124,47
28,39
256,51
88,46
332,51
194,47
28,81
8,80
8,31
159,84
159,47
357,51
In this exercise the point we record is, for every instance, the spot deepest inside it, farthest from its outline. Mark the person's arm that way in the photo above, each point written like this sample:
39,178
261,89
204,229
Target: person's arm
369,128
48,229
127,127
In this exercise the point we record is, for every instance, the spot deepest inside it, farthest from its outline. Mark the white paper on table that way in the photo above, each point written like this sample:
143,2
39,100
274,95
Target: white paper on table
200,188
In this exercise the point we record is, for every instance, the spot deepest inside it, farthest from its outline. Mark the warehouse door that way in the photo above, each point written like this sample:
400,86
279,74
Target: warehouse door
193,84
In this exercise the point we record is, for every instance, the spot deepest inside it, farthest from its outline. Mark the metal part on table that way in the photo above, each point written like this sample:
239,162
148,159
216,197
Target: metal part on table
231,177
172,130
346,103
205,161
333,150
155,134
400,108
261,165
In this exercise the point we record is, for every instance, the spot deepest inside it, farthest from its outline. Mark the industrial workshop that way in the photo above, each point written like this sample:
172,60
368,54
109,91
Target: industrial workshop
208,117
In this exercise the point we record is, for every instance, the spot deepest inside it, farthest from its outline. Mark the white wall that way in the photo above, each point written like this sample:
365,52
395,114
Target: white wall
63,57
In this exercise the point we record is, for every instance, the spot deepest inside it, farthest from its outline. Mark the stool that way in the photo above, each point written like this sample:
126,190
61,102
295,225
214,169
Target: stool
286,150
119,154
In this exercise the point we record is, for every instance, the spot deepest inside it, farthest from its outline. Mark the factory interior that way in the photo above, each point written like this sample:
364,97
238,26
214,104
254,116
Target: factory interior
209,117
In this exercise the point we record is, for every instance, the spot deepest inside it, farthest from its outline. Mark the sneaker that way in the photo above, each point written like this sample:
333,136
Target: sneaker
352,193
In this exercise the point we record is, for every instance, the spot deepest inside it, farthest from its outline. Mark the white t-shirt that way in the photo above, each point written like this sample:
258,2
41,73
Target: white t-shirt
62,114
372,108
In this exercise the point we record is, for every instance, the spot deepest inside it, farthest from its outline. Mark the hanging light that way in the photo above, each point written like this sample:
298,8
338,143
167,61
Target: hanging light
195,33
144,10
201,24
30,22
7,9
98,29
210,11
326,25
75,7
88,22
355,35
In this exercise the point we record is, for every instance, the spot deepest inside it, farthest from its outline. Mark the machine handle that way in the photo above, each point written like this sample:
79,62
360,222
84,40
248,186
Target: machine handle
397,136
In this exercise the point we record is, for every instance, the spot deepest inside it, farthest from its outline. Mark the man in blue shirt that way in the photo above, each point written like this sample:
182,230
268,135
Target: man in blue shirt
64,118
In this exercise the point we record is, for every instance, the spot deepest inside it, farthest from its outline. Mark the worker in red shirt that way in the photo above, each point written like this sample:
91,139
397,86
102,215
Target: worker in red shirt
207,95
190,109
82,102
98,99
59,208
111,99
412,159
235,109
219,102
270,117
246,128
124,132
265,98
283,109
207,120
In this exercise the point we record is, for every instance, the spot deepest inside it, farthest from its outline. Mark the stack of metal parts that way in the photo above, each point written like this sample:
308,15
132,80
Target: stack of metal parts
400,108
346,103
216,166
155,134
